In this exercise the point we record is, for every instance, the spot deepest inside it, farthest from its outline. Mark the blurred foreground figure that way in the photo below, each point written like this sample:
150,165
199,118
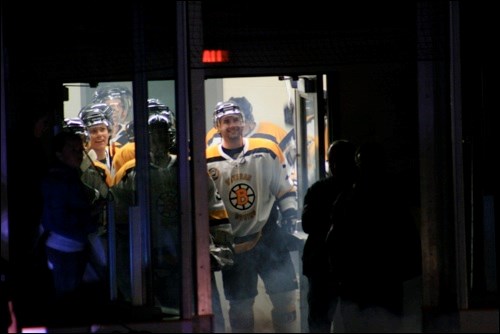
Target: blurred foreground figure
69,217
323,291
374,247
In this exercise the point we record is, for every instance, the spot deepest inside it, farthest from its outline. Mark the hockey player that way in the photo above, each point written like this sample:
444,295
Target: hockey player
95,175
120,100
251,174
90,165
262,129
99,124
165,214
127,151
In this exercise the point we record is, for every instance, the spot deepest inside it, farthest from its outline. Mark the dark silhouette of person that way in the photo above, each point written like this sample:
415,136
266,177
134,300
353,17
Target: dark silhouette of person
69,211
316,222
374,247
30,277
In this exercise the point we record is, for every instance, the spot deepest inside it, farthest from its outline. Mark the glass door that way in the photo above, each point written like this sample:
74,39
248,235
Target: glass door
283,109
136,255
310,124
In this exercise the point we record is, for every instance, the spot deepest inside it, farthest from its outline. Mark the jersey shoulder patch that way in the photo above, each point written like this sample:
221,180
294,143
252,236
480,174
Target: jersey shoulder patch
265,145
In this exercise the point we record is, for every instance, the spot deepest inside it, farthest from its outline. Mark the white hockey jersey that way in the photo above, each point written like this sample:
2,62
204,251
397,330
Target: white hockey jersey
250,184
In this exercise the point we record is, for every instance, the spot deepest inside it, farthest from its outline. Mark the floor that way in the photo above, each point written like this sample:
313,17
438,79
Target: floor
262,308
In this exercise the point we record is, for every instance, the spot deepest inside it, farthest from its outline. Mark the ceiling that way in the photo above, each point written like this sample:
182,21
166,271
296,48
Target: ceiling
98,40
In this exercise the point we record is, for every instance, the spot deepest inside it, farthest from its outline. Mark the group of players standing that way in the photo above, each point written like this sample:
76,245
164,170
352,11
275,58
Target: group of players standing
250,189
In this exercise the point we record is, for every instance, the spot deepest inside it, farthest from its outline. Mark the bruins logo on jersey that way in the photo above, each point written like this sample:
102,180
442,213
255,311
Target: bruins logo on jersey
214,173
242,196
166,206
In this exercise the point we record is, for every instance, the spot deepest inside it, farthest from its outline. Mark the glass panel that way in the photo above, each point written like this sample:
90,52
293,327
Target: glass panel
164,198
104,116
307,135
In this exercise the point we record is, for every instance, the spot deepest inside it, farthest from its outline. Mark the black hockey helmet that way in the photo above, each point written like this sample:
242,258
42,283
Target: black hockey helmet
161,118
76,125
98,113
226,108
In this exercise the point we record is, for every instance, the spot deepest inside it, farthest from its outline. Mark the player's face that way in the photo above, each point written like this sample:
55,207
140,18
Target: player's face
99,136
231,126
119,111
159,140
